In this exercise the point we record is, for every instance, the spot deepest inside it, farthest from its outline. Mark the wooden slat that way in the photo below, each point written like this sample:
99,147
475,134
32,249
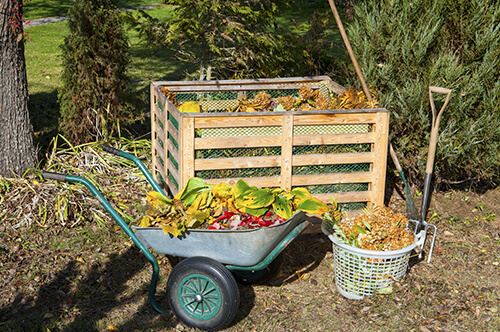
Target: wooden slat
264,181
152,105
332,119
236,142
239,162
354,177
332,158
286,152
186,147
173,150
334,139
160,96
160,150
380,164
174,132
172,170
241,87
164,136
256,81
174,112
248,121
266,114
346,197
160,132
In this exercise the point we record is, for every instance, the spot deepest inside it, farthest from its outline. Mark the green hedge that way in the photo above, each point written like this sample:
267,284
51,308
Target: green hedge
405,46
94,81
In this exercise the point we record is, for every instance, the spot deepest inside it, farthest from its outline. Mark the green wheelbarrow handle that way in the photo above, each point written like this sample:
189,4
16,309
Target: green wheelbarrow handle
139,163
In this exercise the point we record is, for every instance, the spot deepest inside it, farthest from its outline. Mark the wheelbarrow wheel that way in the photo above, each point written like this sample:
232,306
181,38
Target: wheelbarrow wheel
202,293
255,277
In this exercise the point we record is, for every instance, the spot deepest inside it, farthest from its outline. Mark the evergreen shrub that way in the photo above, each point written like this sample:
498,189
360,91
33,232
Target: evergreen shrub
94,85
405,46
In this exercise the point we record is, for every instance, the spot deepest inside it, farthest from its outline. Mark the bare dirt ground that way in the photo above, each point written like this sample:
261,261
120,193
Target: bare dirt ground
90,278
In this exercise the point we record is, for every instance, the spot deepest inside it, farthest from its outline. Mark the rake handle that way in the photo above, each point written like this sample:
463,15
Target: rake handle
359,73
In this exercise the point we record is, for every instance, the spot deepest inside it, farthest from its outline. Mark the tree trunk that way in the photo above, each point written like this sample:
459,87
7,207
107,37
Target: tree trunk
17,151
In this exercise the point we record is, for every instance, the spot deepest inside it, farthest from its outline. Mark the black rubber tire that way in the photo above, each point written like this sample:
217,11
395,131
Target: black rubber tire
255,277
220,277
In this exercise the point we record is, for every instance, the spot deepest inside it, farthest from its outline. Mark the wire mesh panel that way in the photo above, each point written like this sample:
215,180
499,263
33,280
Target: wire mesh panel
335,154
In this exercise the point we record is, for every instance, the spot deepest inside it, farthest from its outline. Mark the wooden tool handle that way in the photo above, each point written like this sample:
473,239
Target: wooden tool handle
359,73
438,89
436,119
395,158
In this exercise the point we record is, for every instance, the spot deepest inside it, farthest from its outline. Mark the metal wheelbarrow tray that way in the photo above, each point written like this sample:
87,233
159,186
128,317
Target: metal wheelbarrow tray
201,289
233,247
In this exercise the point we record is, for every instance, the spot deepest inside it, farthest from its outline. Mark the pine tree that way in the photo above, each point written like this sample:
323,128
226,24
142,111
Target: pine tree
405,46
94,80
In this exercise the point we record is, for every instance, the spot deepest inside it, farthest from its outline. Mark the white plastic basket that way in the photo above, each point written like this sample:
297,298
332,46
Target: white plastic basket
360,272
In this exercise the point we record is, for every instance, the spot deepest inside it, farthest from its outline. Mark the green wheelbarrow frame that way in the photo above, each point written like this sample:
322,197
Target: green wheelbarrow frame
260,266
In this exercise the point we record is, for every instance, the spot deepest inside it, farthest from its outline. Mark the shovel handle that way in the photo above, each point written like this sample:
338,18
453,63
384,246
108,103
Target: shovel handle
436,119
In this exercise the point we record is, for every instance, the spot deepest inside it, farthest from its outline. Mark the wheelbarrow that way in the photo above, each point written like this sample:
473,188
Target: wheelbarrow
202,290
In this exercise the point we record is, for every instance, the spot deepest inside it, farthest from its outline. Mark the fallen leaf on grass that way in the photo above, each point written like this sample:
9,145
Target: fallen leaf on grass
385,291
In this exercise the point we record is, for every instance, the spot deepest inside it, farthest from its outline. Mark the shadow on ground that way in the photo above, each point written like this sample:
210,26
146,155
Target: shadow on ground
83,299
38,9
44,114
80,298
302,256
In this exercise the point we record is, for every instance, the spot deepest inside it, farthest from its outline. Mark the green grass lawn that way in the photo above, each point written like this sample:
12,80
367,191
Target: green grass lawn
148,63
43,62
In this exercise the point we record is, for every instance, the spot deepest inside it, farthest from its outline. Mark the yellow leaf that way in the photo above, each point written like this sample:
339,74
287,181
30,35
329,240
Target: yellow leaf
222,190
313,205
111,327
190,107
145,221
300,194
171,229
198,217
157,200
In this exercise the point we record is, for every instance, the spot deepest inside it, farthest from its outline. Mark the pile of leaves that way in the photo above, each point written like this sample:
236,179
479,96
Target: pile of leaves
308,100
379,228
222,206
30,200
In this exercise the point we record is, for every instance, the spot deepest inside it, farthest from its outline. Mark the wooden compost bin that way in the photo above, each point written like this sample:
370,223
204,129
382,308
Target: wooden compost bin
334,153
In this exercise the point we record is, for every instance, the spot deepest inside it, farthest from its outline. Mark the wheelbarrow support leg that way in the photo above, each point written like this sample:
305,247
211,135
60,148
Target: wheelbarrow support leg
123,225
